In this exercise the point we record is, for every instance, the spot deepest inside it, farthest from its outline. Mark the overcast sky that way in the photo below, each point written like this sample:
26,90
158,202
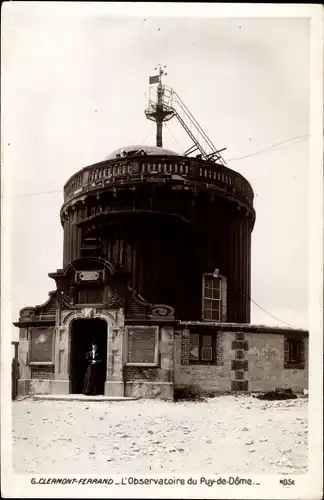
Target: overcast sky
73,90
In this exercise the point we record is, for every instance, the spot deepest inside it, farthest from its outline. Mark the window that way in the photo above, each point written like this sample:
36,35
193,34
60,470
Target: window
294,352
214,298
90,295
202,349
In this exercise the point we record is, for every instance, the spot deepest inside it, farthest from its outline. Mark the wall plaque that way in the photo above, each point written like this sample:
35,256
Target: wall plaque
142,345
41,344
88,275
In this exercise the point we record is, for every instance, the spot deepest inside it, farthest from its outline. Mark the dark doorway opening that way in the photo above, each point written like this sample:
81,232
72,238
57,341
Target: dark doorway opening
83,333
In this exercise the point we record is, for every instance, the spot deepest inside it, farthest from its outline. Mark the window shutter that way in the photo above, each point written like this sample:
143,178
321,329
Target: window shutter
206,340
302,351
194,339
90,295
206,353
194,347
286,351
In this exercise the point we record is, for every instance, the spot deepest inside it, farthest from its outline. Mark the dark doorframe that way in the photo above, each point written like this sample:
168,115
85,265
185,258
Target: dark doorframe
83,333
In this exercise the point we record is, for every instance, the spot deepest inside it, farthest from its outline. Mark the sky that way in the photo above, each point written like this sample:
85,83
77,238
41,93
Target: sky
74,89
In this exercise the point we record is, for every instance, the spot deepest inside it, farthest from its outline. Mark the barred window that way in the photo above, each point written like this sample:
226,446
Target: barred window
202,348
214,298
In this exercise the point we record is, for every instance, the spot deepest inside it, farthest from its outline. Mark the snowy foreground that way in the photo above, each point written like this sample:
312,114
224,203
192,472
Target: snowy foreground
226,434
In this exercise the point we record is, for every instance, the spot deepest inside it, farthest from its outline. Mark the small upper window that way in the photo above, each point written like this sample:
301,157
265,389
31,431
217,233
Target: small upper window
90,295
214,298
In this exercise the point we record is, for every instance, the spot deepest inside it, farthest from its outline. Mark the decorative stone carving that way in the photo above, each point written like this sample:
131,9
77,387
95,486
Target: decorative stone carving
62,335
161,310
61,360
27,312
115,346
114,335
63,299
114,299
269,351
88,313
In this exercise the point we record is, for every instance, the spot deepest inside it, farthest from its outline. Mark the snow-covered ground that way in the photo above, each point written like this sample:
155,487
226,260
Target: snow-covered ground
226,434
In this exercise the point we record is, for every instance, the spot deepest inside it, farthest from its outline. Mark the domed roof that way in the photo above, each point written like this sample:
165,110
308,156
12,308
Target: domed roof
140,149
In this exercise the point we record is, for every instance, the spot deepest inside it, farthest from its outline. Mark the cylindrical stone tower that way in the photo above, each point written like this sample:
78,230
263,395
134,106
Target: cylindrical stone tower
167,219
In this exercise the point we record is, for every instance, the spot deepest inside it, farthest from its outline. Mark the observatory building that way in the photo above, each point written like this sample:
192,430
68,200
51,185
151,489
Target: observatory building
157,270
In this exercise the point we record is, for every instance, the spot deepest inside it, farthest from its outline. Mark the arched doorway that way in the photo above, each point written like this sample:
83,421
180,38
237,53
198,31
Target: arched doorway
83,333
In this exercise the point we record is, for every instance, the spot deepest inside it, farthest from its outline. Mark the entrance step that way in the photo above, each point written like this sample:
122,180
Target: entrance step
80,397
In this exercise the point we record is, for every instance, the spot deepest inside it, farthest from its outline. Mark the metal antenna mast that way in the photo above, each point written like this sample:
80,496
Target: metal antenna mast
158,111
164,104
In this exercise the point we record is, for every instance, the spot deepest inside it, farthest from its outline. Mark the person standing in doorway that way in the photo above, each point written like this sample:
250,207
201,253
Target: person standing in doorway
92,381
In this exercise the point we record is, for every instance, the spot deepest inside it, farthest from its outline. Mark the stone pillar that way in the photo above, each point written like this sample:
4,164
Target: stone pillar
24,368
185,347
114,385
166,351
61,379
240,366
61,384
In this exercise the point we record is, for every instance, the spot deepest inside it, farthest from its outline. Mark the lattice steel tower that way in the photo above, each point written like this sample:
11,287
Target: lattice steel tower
158,110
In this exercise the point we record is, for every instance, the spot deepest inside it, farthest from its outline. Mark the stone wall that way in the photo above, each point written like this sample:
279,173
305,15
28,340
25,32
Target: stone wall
245,361
35,386
266,364
39,377
245,358
34,377
215,377
156,381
